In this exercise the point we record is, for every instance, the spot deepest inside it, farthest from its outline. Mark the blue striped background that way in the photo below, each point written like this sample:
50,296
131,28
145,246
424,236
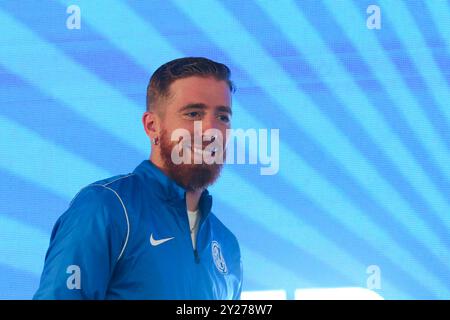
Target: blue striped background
363,116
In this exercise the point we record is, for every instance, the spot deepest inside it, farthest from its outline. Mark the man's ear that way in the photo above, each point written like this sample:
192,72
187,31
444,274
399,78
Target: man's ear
151,123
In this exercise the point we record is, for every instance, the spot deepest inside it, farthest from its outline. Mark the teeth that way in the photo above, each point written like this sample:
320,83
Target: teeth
200,151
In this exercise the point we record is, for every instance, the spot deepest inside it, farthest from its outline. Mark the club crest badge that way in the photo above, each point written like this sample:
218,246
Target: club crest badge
218,258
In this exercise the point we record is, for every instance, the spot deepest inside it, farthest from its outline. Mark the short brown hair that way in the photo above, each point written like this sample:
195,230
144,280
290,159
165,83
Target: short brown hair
165,75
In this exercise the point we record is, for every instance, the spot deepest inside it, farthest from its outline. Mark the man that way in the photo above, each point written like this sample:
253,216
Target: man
151,234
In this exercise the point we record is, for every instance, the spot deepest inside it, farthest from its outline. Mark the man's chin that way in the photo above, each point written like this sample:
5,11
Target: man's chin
195,176
189,176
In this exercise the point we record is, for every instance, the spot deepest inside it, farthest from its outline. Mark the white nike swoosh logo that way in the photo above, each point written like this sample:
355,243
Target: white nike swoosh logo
158,242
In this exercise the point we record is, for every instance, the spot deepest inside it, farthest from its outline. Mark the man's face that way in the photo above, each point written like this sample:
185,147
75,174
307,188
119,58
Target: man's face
194,99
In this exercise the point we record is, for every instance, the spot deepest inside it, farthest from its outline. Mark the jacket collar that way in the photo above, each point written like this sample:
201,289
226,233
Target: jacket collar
169,189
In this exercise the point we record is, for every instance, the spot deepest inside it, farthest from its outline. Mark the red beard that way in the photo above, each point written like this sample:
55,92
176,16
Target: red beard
189,176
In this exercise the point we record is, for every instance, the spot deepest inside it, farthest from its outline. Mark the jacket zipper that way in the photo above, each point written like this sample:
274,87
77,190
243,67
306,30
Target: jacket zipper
195,251
196,255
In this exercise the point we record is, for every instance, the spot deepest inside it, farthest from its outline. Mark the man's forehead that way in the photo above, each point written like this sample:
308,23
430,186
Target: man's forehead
199,85
208,91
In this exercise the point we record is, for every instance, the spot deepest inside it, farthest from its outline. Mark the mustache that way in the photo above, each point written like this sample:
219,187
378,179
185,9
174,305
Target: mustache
190,175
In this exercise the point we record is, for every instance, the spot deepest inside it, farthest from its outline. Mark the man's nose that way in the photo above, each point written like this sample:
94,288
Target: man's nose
210,122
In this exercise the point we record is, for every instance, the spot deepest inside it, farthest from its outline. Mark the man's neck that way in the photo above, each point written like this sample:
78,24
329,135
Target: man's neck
192,199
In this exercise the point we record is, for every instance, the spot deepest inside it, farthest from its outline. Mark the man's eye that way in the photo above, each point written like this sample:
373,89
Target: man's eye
193,114
224,118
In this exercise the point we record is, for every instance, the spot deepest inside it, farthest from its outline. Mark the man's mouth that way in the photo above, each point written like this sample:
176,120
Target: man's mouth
200,152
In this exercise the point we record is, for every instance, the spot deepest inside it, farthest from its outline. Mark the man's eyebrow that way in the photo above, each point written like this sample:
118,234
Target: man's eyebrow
225,109
202,106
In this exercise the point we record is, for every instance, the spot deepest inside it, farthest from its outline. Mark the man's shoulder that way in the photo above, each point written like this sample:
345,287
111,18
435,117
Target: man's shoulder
106,191
117,182
123,185
98,203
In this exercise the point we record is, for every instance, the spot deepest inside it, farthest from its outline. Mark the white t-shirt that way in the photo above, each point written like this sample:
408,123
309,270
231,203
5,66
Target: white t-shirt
194,219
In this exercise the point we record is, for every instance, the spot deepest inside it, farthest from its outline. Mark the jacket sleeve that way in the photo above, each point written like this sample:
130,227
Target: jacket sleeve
85,245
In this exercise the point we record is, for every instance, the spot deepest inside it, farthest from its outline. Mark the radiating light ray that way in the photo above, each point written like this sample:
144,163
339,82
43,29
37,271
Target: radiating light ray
380,66
336,204
23,200
264,267
440,11
144,44
281,88
295,26
406,29
17,253
17,284
49,69
293,229
45,164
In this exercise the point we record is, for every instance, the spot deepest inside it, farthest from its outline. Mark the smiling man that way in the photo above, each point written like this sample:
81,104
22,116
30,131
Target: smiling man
151,234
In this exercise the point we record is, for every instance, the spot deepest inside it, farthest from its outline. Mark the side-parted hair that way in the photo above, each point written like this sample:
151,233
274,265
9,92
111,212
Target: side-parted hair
165,75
